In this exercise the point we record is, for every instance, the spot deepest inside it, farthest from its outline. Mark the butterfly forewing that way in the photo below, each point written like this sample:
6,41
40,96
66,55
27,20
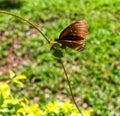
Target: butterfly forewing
77,30
74,35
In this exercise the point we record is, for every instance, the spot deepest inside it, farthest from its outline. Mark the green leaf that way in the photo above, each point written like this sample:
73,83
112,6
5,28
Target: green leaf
11,73
56,45
57,51
1,99
18,82
20,76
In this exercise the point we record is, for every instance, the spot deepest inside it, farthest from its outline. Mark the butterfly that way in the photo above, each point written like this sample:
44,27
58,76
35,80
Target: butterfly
74,35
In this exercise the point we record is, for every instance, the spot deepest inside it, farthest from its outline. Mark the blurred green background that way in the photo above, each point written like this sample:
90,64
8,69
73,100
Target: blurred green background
94,73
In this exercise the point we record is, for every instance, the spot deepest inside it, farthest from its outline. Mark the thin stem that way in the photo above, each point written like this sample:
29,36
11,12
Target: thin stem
26,20
11,79
68,81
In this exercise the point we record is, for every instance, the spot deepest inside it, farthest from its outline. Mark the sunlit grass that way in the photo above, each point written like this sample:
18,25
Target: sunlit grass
94,72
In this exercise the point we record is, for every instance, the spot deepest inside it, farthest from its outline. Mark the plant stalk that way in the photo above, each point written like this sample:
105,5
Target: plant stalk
70,88
11,79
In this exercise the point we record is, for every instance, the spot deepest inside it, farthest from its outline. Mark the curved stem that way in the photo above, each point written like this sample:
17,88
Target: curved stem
26,20
11,79
68,81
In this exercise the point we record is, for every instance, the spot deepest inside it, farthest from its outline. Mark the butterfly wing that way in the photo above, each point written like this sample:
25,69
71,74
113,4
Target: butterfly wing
78,29
74,35
72,44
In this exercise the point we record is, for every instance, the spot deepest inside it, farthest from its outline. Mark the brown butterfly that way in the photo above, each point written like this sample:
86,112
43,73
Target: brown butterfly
74,35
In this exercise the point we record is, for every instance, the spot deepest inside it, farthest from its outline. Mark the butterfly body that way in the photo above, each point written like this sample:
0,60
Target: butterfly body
74,35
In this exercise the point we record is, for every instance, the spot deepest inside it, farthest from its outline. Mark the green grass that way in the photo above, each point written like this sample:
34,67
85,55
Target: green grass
94,72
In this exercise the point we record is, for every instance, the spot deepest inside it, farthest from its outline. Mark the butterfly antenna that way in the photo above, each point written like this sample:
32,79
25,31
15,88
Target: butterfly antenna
26,20
70,88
